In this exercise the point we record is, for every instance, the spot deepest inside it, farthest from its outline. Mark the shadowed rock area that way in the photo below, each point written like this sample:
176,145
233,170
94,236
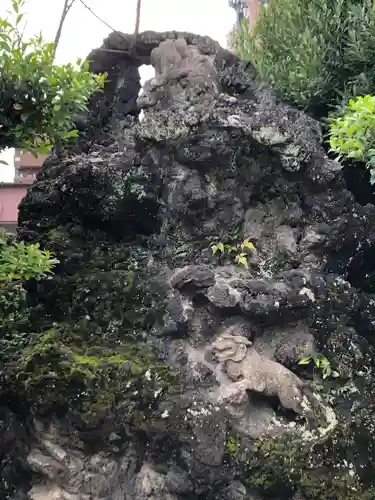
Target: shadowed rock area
162,367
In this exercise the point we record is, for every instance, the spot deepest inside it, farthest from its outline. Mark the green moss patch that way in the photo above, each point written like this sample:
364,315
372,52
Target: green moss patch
337,465
333,469
232,445
124,384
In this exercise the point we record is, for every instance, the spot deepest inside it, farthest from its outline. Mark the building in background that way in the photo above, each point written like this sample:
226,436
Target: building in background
253,12
241,8
247,9
26,168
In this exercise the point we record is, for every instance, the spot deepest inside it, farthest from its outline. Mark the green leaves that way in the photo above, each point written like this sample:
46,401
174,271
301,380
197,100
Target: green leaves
19,261
217,247
321,363
305,361
17,4
238,251
38,99
352,134
241,258
313,53
247,245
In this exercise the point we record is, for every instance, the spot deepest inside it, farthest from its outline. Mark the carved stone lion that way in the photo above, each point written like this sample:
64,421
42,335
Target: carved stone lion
252,372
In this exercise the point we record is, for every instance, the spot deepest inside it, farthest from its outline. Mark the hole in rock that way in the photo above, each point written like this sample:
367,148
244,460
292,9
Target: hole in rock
361,273
356,176
146,72
133,218
13,404
272,401
357,179
356,265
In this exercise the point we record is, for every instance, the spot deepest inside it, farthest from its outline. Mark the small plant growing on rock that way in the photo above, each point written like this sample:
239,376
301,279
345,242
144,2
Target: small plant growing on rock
238,252
232,445
321,363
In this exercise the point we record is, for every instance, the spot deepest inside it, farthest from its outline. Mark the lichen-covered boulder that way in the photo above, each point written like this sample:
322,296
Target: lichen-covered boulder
208,333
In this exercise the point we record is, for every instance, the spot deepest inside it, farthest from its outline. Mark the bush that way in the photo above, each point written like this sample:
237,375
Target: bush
18,262
38,103
352,135
38,99
313,53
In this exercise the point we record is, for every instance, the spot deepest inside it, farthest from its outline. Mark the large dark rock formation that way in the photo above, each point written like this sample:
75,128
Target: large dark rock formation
158,370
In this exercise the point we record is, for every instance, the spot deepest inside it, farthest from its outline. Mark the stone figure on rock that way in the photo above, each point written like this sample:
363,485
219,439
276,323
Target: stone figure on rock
250,371
185,81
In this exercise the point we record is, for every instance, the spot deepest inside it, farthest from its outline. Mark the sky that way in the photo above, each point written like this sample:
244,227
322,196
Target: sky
83,32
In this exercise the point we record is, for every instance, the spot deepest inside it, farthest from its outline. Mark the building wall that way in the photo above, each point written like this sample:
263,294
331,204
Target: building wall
254,11
25,176
10,197
26,166
28,160
247,9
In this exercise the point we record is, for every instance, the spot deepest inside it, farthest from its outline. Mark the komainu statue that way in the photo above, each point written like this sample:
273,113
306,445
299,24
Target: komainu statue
252,372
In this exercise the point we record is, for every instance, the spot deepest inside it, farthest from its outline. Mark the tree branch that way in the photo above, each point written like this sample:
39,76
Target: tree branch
65,11
137,18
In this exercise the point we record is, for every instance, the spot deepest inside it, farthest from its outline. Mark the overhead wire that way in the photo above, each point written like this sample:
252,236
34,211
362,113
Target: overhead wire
97,17
108,26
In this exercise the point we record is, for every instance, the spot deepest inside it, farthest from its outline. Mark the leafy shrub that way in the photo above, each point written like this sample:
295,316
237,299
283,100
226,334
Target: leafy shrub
38,99
14,320
18,262
313,53
38,103
352,135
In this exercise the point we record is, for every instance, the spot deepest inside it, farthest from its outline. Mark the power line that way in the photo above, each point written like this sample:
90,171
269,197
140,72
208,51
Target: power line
112,29
97,17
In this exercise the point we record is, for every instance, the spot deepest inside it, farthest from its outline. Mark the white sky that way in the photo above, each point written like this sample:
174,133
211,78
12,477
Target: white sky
83,32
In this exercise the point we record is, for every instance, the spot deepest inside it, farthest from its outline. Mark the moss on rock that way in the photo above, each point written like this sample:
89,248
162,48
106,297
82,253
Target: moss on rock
58,373
331,468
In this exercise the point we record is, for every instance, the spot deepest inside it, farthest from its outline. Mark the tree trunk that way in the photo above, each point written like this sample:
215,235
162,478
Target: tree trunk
66,8
137,17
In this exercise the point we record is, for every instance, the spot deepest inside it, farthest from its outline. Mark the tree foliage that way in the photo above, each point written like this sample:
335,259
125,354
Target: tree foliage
352,134
313,53
38,103
19,261
38,98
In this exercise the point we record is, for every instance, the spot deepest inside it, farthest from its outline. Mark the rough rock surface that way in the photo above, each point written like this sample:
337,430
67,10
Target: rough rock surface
118,394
